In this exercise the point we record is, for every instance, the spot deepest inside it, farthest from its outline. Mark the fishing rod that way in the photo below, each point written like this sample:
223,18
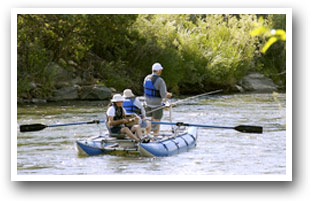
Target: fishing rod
186,99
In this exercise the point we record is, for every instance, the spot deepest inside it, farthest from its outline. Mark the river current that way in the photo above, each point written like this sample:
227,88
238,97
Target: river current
51,151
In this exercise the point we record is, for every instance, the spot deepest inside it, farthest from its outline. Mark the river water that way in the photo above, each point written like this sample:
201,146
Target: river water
218,152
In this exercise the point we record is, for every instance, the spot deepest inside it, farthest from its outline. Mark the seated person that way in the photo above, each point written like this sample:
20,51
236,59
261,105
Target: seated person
116,120
134,107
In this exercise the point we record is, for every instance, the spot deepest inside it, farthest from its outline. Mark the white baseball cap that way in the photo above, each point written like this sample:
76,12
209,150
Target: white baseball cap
128,93
117,98
157,67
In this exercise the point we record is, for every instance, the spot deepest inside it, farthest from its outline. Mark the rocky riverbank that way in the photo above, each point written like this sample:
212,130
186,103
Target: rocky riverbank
76,92
257,83
70,87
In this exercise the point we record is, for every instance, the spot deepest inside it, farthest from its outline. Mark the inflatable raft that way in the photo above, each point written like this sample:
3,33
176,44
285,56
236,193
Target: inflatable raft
169,144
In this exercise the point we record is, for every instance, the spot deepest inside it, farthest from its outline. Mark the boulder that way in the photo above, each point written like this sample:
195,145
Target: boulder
62,84
38,101
76,81
256,82
67,93
59,73
68,83
95,92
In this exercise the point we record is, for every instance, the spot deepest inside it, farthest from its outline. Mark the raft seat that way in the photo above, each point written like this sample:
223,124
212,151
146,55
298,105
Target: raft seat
116,135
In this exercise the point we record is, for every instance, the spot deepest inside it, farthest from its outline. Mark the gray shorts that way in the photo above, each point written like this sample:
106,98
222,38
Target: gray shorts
143,124
158,114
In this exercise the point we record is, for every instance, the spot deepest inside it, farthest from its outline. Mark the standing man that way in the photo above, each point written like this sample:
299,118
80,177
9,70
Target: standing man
155,91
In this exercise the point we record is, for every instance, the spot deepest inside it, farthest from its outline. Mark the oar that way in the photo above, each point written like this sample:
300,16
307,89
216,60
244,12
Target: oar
38,127
240,128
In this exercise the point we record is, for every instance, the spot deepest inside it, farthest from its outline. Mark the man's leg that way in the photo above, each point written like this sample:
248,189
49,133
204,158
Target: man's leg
157,127
156,116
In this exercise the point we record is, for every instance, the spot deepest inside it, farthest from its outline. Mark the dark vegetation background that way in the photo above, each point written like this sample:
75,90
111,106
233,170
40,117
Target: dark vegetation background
199,52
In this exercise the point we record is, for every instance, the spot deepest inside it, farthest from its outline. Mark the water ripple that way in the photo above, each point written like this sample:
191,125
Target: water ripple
218,152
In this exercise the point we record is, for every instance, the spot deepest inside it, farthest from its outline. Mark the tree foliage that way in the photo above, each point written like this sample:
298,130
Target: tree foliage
273,60
198,52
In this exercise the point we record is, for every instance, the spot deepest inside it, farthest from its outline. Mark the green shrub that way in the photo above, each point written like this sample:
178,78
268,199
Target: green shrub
199,52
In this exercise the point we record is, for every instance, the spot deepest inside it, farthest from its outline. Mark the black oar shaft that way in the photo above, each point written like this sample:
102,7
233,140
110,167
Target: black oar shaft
76,123
38,127
241,128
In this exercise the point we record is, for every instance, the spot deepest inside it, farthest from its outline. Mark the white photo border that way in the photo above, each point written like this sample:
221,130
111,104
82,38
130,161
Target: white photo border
14,126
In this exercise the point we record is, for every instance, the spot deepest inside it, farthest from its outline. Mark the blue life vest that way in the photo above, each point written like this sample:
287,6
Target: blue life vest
149,89
129,106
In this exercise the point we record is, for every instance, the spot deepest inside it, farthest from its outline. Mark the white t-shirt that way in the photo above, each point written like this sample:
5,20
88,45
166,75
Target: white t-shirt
111,111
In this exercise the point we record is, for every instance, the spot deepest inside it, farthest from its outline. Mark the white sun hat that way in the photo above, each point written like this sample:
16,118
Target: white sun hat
128,93
157,67
117,98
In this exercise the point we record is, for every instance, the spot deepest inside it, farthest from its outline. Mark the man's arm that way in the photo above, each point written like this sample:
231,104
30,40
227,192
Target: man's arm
163,89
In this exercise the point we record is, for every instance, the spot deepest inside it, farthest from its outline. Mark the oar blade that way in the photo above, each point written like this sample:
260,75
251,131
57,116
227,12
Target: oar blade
32,127
249,129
